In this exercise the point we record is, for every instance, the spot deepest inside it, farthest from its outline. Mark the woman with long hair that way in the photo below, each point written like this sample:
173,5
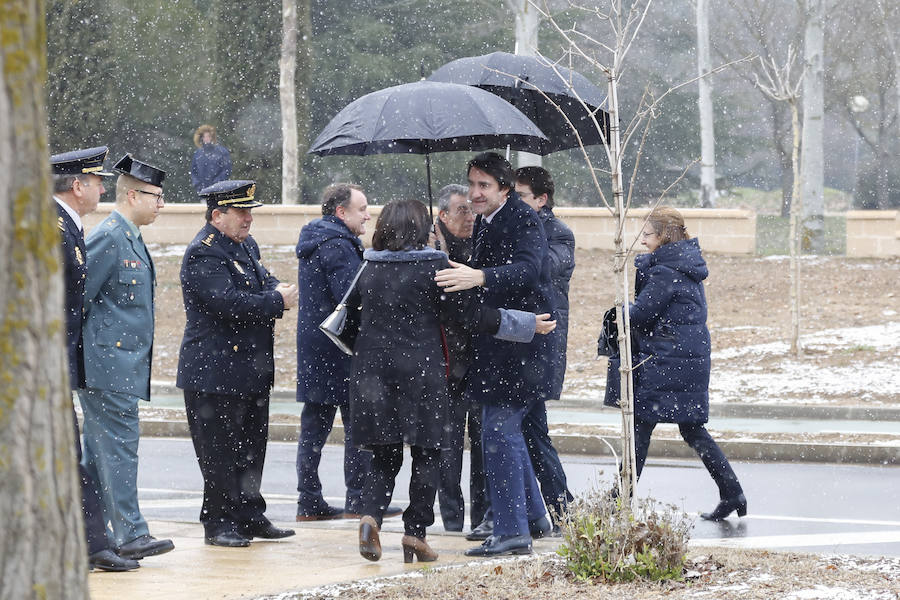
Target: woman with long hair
398,386
671,348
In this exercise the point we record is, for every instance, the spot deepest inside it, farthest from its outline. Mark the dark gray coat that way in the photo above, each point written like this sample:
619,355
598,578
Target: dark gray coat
561,250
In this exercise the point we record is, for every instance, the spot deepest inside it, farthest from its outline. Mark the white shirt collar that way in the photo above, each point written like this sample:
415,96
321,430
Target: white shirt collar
491,216
71,212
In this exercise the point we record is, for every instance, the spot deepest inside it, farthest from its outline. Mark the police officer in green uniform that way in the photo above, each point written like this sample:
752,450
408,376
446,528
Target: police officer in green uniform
118,347
226,366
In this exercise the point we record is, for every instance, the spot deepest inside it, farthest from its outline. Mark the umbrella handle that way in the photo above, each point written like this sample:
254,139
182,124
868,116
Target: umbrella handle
428,176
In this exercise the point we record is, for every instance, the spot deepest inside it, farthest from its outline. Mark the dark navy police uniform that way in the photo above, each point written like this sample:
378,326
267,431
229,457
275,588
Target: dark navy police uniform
226,366
79,162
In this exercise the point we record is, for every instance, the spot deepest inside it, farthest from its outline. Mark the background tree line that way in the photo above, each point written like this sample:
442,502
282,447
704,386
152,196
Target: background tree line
141,77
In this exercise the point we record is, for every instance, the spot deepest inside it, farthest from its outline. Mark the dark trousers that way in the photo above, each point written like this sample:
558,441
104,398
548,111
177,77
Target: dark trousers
379,486
450,495
698,438
91,506
316,421
515,497
230,435
547,467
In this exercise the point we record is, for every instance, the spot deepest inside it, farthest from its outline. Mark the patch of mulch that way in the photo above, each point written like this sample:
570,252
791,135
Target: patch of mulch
713,574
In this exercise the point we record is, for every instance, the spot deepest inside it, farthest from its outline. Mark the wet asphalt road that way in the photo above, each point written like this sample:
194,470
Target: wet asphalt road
818,508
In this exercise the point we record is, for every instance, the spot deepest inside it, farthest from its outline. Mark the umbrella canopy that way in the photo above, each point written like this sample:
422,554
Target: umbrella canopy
425,117
518,78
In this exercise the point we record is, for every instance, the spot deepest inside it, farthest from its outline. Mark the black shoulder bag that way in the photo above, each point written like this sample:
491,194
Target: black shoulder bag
334,325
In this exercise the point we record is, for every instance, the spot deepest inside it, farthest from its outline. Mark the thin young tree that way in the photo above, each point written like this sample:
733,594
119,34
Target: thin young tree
781,86
42,547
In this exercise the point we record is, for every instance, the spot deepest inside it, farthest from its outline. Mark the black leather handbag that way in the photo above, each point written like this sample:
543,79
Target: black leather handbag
608,342
335,324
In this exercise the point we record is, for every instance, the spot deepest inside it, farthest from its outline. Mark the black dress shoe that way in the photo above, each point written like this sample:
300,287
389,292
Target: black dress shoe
267,531
539,528
107,560
325,514
484,530
229,539
501,545
726,507
143,546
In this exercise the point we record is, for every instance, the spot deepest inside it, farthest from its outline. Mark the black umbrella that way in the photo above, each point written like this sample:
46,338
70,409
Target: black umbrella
517,79
425,117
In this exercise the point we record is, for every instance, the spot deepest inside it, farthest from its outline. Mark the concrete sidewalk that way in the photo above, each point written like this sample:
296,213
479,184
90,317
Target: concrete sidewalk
320,554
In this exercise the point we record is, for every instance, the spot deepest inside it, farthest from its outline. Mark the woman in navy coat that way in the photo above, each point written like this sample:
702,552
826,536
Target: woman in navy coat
672,347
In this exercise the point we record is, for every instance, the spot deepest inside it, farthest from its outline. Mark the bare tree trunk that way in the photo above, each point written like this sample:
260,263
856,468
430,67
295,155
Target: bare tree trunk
794,238
303,82
527,21
287,67
707,131
788,170
623,320
891,38
812,158
42,547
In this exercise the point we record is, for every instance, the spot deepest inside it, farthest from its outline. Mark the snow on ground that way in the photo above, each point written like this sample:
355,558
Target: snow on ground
748,373
823,592
869,369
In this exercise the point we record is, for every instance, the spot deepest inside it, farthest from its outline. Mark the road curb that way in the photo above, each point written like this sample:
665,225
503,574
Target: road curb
716,409
597,446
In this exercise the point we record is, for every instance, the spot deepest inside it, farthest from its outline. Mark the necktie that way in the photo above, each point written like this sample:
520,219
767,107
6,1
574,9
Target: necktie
479,241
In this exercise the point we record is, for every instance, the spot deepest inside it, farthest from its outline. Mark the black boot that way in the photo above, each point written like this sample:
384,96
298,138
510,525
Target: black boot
726,507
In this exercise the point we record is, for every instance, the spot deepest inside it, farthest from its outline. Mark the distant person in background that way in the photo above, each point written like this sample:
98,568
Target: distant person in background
212,161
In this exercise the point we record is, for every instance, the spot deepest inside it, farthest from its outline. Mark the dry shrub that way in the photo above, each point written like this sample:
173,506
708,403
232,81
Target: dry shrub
604,540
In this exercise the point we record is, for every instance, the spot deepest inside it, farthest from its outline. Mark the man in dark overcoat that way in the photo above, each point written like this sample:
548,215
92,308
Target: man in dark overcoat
511,269
329,253
226,366
118,335
77,187
453,232
535,187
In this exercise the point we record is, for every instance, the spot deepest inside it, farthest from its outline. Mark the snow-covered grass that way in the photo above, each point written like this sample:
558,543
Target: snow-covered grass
853,363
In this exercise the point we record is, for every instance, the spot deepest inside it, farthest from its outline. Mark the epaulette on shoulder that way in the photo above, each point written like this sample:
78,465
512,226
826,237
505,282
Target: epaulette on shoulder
61,224
207,241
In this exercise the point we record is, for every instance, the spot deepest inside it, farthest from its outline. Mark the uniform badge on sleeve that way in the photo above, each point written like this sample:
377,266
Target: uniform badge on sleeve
208,239
61,223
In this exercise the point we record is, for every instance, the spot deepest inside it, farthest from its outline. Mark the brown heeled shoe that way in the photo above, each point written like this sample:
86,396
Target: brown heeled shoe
419,547
369,542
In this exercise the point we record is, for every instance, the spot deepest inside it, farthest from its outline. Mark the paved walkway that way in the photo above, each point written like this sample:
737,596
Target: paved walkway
318,555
